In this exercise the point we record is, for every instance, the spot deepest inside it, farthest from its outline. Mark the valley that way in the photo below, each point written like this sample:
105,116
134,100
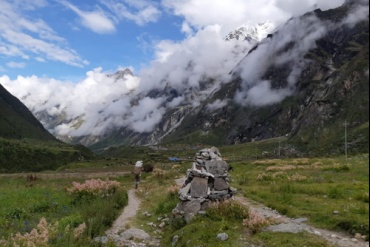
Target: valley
286,105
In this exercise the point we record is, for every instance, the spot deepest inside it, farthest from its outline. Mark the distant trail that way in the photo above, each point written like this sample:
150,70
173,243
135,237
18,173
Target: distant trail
67,174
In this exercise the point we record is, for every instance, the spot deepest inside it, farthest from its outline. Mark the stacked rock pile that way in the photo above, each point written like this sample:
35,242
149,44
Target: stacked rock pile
206,181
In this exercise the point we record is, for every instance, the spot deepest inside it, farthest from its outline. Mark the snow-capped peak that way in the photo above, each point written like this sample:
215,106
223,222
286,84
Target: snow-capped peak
251,32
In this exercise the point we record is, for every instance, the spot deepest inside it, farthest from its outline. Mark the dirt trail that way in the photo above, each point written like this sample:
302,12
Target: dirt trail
67,174
128,213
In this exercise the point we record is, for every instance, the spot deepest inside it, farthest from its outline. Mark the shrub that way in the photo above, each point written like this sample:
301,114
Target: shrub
335,193
100,215
72,220
255,222
232,210
93,188
177,222
148,168
39,236
364,197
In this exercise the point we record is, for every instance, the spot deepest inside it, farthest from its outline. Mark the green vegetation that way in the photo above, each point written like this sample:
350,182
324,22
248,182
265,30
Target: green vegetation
314,188
37,155
25,202
300,192
332,192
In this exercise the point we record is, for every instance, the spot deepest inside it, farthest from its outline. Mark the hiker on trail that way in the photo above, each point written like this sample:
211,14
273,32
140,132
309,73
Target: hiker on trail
137,172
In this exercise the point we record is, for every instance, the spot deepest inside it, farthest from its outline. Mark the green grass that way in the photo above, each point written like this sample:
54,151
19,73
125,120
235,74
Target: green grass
27,155
312,188
158,199
298,187
24,203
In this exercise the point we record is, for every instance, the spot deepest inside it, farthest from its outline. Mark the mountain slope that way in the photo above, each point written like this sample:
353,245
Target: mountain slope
25,145
17,122
251,32
331,88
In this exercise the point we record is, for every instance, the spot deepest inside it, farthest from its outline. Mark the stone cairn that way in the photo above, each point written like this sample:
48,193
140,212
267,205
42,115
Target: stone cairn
206,181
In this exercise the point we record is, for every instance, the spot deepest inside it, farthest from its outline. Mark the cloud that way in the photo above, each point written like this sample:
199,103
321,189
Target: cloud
97,21
23,37
217,104
262,94
95,104
359,13
15,65
139,11
191,62
297,8
300,35
232,13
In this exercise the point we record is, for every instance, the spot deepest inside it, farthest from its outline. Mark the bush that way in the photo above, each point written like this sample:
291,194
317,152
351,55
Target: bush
148,168
100,215
93,188
231,210
255,222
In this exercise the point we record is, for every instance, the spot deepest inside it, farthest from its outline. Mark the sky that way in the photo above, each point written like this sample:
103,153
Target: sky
55,55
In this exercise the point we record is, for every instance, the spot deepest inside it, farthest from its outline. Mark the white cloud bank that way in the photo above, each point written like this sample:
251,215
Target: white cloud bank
232,13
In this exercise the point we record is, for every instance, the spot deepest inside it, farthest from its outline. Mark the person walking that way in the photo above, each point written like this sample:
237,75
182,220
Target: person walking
137,172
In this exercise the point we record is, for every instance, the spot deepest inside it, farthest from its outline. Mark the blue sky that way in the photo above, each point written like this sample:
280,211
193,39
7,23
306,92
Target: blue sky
118,42
63,39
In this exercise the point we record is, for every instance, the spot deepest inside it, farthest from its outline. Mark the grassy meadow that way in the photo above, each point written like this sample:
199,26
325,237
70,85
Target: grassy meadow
25,202
331,192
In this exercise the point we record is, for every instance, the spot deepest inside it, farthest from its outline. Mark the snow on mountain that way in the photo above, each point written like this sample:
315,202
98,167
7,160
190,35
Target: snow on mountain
251,32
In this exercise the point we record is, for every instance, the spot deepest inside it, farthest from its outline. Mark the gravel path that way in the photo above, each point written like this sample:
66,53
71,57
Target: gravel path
53,175
122,234
129,212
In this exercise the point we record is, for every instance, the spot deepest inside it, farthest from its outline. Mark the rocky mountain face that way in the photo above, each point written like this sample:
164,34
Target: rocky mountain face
253,33
326,85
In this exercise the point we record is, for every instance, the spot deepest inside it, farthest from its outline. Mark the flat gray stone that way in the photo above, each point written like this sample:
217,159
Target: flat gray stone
185,190
220,184
134,233
286,227
175,239
199,187
216,167
192,206
299,220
